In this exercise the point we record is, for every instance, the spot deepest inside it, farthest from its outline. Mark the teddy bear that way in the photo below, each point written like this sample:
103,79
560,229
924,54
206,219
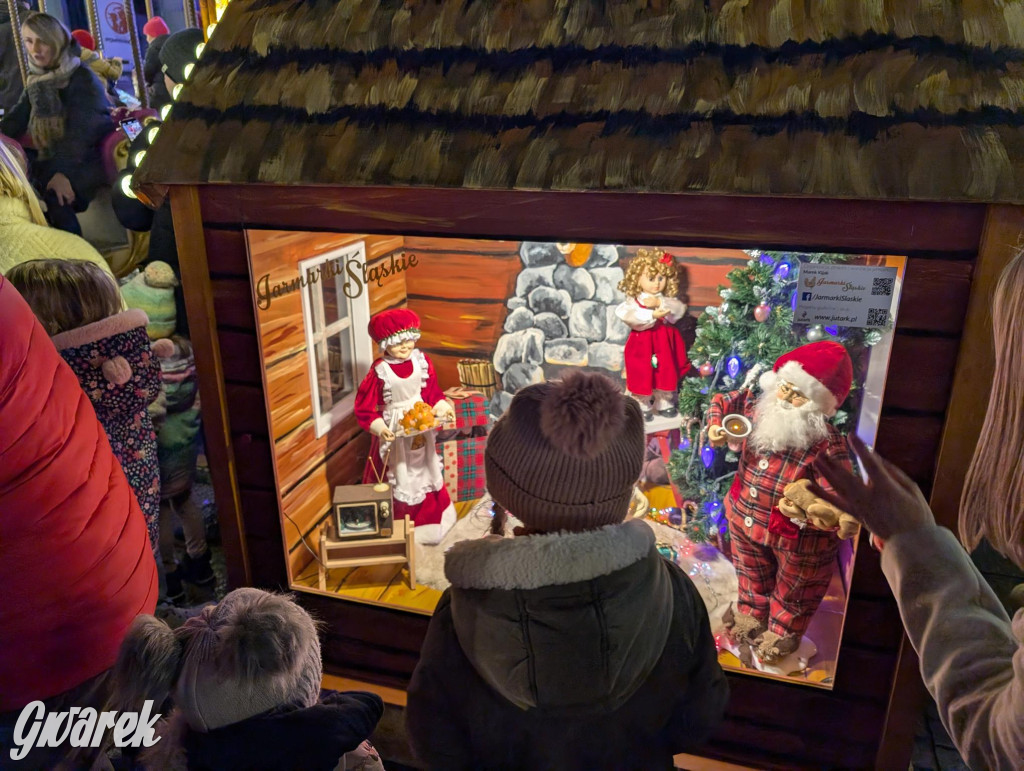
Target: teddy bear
802,505
244,679
152,290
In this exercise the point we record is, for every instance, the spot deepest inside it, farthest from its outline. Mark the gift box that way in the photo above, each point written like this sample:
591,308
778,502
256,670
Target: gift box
470,414
463,460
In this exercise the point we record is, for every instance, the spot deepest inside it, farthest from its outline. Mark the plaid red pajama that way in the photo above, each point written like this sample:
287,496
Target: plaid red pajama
782,580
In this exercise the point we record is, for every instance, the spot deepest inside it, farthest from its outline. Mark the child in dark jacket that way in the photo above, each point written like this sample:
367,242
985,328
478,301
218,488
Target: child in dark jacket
80,306
574,644
244,679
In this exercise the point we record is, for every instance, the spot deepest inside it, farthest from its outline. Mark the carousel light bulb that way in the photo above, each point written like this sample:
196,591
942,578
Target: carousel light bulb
220,11
152,134
137,160
187,69
199,49
165,111
177,90
210,29
126,186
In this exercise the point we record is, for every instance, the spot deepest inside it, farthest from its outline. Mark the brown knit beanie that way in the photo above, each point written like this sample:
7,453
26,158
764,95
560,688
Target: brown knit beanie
567,454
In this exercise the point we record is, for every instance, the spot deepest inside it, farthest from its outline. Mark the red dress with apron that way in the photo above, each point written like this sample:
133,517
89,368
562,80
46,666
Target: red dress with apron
655,354
414,469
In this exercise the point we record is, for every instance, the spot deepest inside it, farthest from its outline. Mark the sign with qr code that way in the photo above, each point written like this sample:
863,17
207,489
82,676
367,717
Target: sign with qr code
845,295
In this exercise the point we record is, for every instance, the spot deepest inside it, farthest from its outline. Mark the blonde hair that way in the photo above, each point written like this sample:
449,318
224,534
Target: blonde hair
51,30
648,261
66,294
14,184
992,506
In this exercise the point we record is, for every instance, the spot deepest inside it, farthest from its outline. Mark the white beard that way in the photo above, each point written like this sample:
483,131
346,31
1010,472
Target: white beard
779,426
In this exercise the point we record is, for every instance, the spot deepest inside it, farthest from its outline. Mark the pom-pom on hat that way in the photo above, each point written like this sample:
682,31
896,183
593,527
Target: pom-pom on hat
84,39
823,371
567,454
155,27
392,327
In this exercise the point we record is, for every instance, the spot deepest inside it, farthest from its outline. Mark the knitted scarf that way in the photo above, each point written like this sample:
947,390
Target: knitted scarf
46,123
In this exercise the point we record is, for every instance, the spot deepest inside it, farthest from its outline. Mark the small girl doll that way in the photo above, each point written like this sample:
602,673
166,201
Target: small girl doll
398,380
80,306
655,353
244,679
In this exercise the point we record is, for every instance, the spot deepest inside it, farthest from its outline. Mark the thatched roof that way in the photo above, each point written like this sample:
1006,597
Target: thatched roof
918,99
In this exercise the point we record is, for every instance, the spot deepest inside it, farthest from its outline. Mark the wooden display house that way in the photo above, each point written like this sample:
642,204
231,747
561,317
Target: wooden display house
365,134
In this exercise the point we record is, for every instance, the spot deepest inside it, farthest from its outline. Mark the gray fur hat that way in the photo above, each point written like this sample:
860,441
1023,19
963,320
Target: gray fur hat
250,653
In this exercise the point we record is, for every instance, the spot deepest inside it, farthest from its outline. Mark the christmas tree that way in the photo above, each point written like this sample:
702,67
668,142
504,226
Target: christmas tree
736,342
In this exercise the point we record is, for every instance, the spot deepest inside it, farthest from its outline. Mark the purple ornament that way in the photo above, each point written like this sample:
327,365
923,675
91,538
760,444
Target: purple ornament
732,366
707,455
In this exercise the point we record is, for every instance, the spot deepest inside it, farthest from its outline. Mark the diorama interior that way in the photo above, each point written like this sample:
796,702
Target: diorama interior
495,316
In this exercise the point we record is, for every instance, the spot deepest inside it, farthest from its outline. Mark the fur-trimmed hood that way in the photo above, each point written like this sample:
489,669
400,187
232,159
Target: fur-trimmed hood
573,622
101,330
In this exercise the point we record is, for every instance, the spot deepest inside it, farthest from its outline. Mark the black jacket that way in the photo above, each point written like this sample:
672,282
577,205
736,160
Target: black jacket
87,123
152,70
10,73
578,651
310,738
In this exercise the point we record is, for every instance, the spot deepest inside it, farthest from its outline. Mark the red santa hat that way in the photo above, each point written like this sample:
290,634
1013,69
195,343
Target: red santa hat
822,371
395,326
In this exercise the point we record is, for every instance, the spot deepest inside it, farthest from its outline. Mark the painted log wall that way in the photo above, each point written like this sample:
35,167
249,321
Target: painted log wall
459,291
306,467
767,722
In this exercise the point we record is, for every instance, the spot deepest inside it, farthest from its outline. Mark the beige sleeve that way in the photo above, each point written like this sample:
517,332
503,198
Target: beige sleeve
972,658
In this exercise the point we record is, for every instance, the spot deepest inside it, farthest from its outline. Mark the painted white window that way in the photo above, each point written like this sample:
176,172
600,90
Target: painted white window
337,346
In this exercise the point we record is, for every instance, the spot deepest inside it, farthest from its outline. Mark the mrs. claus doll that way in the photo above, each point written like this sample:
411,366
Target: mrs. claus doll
655,354
400,378
783,564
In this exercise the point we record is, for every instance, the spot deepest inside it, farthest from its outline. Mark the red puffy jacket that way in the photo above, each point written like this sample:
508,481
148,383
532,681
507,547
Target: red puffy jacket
75,562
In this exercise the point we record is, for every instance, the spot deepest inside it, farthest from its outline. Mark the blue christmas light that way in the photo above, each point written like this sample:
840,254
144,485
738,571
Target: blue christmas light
703,390
684,443
766,260
782,272
832,330
732,366
792,302
707,455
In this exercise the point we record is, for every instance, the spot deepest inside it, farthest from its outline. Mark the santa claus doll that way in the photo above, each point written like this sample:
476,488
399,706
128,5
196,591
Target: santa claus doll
784,564
402,377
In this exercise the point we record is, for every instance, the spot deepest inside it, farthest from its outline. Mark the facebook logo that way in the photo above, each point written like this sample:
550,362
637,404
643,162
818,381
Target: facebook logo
806,296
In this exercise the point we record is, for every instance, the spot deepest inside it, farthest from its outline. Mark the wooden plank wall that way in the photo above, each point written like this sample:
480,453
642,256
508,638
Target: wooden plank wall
307,468
459,291
769,724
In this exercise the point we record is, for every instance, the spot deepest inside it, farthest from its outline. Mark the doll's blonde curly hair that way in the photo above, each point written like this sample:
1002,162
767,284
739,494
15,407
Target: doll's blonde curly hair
648,261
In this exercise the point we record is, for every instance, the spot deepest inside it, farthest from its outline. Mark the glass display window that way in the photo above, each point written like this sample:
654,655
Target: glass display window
745,363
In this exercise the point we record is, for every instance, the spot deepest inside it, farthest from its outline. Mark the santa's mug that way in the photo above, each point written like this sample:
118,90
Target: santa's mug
736,428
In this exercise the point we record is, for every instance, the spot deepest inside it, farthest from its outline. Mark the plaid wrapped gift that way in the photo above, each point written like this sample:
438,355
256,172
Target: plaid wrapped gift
464,467
470,410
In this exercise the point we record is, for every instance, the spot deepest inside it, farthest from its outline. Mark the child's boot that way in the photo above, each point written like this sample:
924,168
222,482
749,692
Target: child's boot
198,571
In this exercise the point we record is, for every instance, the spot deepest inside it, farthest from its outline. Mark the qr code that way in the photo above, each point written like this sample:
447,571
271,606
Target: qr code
881,286
877,317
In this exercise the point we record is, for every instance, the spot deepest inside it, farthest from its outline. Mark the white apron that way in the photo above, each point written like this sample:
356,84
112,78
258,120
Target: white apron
414,468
